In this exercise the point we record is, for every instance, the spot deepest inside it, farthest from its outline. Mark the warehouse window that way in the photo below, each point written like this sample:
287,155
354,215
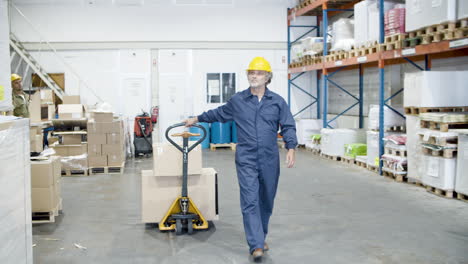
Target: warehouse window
220,87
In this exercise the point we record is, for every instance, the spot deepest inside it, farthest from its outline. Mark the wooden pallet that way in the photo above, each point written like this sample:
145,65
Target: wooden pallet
390,46
213,146
439,141
440,192
395,152
412,42
335,158
395,37
74,173
419,110
415,182
373,168
463,197
361,164
348,160
46,217
395,129
398,177
445,153
441,126
108,170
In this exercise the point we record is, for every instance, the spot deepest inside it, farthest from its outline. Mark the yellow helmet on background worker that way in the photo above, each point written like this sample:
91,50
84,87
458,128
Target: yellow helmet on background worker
15,77
259,64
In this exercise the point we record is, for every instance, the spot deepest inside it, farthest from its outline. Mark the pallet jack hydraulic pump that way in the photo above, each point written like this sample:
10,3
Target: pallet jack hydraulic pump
183,213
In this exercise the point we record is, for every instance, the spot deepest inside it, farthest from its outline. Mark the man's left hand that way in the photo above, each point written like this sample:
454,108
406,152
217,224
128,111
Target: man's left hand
291,158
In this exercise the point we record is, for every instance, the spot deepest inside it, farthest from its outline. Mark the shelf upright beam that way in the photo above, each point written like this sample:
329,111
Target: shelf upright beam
361,96
317,23
381,87
427,62
289,61
325,72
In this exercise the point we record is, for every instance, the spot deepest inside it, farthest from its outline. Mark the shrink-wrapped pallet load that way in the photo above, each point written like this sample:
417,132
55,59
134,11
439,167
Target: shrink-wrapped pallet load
334,140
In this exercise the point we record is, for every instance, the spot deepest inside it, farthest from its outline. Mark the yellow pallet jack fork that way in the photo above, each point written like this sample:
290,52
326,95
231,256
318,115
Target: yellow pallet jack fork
183,213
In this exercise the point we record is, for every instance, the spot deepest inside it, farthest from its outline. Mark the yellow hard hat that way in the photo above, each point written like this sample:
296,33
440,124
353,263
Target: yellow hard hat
259,64
15,77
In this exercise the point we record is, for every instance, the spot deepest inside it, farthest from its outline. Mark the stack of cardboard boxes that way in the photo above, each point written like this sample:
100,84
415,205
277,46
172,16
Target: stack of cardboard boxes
106,144
161,186
45,185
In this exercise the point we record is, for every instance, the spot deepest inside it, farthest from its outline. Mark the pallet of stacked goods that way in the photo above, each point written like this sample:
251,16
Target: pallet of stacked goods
333,141
394,125
313,144
15,188
352,151
434,101
395,158
461,180
162,185
70,127
106,144
435,22
46,192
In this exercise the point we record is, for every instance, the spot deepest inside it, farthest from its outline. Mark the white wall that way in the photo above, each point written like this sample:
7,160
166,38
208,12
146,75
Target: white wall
78,21
119,77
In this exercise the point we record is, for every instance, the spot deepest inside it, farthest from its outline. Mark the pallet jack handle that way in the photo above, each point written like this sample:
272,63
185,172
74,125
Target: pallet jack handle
185,135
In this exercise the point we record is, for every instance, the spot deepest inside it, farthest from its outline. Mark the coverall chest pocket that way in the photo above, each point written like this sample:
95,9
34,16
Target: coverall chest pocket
270,113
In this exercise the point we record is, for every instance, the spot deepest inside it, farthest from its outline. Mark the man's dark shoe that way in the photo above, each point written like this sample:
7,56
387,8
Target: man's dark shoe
257,254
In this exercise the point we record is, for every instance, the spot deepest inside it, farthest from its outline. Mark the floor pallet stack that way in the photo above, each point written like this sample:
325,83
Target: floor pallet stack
106,144
46,195
70,127
395,159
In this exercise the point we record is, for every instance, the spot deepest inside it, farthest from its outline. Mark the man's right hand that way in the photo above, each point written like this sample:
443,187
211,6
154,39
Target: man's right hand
191,121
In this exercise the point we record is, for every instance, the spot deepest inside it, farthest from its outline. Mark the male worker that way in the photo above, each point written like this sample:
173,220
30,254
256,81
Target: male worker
258,113
20,103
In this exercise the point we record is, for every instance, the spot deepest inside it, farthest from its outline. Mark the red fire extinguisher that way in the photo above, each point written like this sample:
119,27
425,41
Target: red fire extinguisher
154,114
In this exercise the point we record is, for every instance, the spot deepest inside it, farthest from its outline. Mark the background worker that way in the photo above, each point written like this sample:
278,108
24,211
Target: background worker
258,113
20,103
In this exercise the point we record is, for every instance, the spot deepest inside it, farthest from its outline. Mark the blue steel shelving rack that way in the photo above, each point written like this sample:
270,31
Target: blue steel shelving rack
320,8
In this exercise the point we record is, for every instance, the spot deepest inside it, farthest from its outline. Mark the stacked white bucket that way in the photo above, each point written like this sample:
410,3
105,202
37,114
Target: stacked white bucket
435,89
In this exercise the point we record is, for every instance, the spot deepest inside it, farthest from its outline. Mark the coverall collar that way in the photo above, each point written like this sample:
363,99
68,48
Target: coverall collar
248,93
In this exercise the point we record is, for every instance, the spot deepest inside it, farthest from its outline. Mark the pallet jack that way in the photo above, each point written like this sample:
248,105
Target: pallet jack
183,213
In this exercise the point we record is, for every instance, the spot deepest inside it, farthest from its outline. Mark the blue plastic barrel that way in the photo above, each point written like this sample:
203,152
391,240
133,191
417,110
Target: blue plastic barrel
206,142
234,132
221,133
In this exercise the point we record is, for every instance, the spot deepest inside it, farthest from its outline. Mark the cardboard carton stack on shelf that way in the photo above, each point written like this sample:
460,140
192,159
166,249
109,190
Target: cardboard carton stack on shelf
436,108
41,106
71,128
106,144
46,195
162,185
394,124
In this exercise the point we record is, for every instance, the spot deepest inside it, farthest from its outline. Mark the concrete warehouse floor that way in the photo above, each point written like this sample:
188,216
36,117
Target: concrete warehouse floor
325,212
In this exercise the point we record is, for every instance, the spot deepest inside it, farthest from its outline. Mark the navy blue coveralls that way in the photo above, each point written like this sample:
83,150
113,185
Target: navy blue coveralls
257,155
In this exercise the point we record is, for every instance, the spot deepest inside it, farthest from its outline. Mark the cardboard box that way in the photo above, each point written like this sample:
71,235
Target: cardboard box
115,138
112,127
70,150
94,149
97,138
92,128
100,117
71,99
70,111
37,145
71,139
168,160
47,96
52,140
158,194
115,159
43,199
45,173
97,161
112,149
